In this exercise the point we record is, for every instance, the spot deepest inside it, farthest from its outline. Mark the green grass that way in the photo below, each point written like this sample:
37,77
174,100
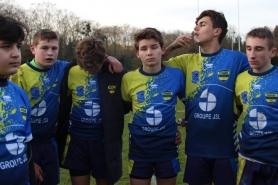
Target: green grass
65,179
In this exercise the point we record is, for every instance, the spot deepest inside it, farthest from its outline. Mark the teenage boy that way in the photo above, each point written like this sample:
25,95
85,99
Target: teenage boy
257,91
41,78
94,104
152,90
211,145
15,109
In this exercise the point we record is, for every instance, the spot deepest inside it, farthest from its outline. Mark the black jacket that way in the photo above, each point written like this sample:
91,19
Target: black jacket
113,110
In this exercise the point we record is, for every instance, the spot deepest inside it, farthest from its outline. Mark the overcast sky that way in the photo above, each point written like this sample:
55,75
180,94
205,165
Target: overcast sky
169,15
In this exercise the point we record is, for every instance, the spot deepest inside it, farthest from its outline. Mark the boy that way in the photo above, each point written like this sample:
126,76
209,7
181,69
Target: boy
257,91
152,90
96,117
211,145
15,109
41,79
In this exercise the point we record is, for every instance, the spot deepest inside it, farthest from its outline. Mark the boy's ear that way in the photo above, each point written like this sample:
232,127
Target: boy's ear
32,48
137,54
217,31
163,50
273,52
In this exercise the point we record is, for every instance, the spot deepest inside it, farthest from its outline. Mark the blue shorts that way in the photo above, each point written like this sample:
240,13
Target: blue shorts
200,171
145,170
86,156
253,173
45,154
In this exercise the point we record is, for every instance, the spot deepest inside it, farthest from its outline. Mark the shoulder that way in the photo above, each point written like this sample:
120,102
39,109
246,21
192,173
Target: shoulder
61,63
242,76
186,57
236,54
133,72
23,68
17,89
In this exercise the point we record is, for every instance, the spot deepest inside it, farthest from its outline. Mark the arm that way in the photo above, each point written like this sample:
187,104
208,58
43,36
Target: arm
115,66
181,41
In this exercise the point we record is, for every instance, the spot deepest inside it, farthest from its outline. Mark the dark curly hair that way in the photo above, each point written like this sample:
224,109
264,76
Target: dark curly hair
90,54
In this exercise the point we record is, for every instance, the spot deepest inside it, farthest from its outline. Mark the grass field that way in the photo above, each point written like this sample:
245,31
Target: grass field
65,179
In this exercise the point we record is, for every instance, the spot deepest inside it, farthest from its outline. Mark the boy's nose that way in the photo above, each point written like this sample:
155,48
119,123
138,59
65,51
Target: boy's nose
16,52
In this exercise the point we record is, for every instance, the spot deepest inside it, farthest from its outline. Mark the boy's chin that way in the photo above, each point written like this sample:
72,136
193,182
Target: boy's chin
12,72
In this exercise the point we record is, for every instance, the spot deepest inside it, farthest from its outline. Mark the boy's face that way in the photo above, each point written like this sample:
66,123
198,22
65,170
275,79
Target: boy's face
46,53
204,31
258,53
150,52
10,58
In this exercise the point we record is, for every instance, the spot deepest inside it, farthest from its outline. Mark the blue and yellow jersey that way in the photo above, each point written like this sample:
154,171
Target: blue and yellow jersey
210,113
42,87
15,111
86,114
152,126
258,94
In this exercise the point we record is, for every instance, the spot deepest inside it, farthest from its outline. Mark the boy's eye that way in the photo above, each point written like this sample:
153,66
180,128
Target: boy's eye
154,47
19,45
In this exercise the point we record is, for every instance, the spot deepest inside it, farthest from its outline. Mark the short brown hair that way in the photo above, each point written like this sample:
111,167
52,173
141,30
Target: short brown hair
12,30
148,33
90,54
263,33
218,21
45,34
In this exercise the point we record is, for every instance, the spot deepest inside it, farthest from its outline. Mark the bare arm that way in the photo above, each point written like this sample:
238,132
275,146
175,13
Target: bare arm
181,41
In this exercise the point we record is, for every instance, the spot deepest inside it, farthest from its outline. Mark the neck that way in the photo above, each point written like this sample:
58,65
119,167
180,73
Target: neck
211,47
151,69
262,70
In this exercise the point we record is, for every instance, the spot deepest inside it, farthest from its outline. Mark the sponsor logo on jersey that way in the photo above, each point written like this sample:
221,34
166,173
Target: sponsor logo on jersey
153,116
91,108
154,86
223,75
35,92
257,119
140,96
209,66
195,77
244,97
207,101
256,86
271,97
7,98
111,89
93,85
39,109
80,90
167,95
